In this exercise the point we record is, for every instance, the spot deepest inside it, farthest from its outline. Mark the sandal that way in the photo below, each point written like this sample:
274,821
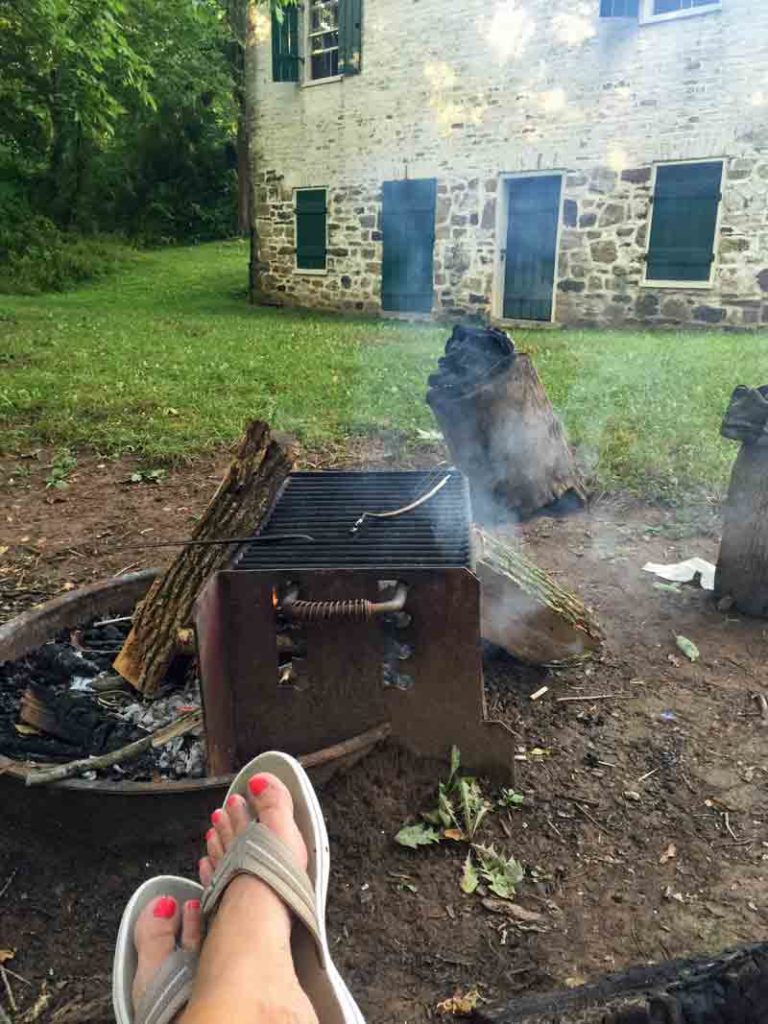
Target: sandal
169,990
260,853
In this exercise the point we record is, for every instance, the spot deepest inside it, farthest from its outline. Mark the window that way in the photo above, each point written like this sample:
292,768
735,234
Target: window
323,38
332,41
311,238
665,10
686,201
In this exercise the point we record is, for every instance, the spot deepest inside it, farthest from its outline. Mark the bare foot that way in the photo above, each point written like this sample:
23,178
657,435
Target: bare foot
246,971
162,925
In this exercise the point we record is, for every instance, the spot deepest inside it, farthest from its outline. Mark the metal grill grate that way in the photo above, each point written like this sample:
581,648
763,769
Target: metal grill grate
327,505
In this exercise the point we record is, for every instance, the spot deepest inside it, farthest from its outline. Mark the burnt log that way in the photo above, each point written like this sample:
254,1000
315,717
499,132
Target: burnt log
742,566
731,988
240,503
501,429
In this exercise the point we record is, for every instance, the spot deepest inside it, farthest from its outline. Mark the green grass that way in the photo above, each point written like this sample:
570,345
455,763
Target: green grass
168,359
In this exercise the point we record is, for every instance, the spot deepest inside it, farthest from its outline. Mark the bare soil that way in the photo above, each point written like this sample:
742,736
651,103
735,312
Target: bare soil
644,827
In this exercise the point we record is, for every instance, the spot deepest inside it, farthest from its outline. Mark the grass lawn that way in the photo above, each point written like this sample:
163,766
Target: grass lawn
168,359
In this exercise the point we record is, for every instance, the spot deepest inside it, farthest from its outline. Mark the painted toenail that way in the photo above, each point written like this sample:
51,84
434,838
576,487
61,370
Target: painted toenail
193,905
258,784
165,907
232,801
210,834
216,817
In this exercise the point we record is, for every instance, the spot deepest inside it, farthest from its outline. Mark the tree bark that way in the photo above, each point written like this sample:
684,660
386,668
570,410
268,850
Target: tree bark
507,439
742,565
240,503
524,611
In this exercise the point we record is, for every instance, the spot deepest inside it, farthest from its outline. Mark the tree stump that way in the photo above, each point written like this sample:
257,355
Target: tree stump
502,431
524,611
742,565
240,503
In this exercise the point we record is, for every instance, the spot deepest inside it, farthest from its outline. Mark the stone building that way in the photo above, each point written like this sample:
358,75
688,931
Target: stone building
567,161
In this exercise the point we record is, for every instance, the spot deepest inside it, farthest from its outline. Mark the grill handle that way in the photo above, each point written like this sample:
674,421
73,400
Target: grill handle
352,610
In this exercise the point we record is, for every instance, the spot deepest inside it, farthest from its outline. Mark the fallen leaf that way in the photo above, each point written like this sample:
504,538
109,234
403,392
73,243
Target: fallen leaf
414,836
69,585
459,1005
26,730
688,647
513,910
669,853
6,955
454,833
3,549
576,981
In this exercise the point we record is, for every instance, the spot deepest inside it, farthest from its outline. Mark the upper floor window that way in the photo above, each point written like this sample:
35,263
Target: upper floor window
323,38
332,41
664,10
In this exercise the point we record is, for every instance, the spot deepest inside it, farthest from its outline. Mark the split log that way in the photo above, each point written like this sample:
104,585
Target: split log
502,431
742,565
239,505
524,611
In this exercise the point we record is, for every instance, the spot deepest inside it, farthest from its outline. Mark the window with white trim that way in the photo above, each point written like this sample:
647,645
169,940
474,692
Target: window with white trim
323,38
665,10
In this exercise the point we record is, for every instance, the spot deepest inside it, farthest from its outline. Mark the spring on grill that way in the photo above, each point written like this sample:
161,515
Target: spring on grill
355,610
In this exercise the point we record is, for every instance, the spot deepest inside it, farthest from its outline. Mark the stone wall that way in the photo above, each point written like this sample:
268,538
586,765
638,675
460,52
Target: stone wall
598,101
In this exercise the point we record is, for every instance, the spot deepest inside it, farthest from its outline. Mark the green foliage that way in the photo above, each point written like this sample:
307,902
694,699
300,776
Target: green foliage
469,876
414,836
509,798
61,466
503,874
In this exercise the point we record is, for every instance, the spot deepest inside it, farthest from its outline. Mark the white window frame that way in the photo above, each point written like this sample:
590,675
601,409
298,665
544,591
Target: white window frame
502,223
686,285
647,17
309,271
308,79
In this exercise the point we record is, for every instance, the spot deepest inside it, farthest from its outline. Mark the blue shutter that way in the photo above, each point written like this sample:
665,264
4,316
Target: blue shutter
310,229
285,45
619,8
685,203
350,36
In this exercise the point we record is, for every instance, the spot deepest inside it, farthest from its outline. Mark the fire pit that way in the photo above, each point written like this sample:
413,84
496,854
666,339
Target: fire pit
112,811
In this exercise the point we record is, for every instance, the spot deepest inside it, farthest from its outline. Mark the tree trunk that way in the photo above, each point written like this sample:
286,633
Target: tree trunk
505,436
742,566
240,503
243,178
250,63
524,611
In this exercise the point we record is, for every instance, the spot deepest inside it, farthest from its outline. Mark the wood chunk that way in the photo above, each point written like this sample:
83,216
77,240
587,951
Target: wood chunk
524,611
742,565
242,500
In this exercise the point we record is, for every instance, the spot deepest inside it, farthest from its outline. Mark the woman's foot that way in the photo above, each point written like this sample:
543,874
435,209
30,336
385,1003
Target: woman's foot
246,971
161,927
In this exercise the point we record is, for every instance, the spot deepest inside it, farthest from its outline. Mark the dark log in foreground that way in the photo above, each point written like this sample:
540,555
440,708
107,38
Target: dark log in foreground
524,611
742,565
731,988
240,503
501,428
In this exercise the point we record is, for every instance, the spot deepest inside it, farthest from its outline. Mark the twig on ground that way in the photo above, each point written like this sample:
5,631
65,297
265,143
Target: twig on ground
598,696
762,703
648,774
8,882
728,829
8,989
591,818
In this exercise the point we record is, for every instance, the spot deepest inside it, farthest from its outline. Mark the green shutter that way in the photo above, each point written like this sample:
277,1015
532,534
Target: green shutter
310,229
619,8
685,203
350,36
285,45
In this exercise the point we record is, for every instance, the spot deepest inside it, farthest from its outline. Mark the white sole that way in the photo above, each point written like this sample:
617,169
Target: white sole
125,960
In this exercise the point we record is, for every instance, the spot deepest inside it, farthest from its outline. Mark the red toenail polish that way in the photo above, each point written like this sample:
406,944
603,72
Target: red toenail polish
210,834
165,907
232,801
193,904
258,784
216,817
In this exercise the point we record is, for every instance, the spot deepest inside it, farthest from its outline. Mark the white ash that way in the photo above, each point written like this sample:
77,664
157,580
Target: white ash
183,756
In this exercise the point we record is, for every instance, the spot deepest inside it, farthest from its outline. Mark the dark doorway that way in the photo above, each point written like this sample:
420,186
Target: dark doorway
408,233
533,208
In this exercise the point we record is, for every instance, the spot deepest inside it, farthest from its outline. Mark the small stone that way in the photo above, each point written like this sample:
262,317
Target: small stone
762,280
636,175
569,285
587,220
489,215
477,299
570,213
676,309
612,213
647,305
708,314
734,245
632,795
346,281
604,252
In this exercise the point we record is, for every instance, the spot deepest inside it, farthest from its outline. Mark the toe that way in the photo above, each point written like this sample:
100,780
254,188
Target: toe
239,815
205,871
155,939
214,846
191,926
272,804
222,822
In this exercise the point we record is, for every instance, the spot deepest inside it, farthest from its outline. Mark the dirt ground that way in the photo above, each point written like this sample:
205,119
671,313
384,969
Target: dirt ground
644,826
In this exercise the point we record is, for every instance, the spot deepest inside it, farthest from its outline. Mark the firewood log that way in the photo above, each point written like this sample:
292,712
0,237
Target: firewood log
240,503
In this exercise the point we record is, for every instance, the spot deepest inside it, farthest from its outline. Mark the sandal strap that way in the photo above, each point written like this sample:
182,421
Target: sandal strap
169,990
260,853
